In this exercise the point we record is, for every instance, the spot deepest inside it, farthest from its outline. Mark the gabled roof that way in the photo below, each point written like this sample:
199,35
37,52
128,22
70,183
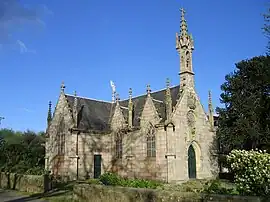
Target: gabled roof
159,102
96,114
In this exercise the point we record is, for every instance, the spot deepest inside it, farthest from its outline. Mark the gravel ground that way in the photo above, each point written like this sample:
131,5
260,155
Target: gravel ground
13,196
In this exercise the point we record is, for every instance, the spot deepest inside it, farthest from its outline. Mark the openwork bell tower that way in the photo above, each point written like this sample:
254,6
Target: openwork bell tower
185,47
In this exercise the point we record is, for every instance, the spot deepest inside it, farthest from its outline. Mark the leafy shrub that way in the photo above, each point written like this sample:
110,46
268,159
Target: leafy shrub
115,180
111,179
94,181
216,187
195,186
141,183
252,171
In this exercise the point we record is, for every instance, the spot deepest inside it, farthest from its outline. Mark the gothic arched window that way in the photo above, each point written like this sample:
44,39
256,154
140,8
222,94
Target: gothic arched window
151,142
60,139
119,146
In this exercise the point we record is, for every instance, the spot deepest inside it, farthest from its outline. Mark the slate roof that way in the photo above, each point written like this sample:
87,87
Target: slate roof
92,114
138,104
96,115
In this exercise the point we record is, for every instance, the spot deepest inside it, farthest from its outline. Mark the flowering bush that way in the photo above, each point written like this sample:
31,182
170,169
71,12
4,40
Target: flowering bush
252,171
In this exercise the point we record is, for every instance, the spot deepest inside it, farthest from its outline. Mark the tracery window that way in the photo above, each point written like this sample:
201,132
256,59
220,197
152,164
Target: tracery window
61,143
119,146
61,137
151,142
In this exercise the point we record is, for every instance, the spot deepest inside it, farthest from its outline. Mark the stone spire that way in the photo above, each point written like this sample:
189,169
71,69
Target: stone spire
148,90
211,110
49,117
168,99
185,47
130,109
75,107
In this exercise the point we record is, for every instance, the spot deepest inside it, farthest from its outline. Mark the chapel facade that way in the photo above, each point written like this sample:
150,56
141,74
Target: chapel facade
164,135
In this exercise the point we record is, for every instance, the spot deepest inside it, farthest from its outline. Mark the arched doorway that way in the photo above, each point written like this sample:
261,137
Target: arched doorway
191,163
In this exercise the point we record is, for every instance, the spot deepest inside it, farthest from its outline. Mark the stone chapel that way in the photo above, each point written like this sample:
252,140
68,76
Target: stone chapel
164,135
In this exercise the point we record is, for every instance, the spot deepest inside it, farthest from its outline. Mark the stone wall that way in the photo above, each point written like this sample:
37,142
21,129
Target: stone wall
24,183
99,193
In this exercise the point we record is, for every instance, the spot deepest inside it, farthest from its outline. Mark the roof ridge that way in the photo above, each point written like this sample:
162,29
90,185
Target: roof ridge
159,101
93,99
90,98
150,93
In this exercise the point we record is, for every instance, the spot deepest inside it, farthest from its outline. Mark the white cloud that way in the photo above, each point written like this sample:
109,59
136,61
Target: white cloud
16,17
23,48
27,110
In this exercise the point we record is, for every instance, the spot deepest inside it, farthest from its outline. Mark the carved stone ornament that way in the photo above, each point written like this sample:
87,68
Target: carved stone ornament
191,118
191,123
118,135
150,130
191,102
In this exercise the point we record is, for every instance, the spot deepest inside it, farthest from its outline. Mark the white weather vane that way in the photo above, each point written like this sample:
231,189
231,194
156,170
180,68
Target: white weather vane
113,90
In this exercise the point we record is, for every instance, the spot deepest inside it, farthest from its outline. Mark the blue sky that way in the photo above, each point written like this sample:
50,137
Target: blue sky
88,43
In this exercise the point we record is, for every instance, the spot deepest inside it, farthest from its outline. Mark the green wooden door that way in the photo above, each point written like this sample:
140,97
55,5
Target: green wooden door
191,163
97,165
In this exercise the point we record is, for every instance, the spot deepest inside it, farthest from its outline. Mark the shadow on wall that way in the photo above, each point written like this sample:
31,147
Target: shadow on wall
123,161
214,156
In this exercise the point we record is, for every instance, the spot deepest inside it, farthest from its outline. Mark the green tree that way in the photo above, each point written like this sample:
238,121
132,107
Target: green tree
22,152
244,121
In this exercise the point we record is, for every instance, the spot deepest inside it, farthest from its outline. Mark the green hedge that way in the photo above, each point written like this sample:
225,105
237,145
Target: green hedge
24,183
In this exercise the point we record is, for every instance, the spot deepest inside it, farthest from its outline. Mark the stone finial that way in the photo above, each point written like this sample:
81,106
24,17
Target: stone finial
182,13
183,26
168,99
63,87
148,89
75,106
49,117
211,110
130,93
117,97
168,83
209,97
130,109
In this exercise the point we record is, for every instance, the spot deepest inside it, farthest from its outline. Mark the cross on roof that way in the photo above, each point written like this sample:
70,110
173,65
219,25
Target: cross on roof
148,89
63,86
130,93
117,97
182,11
168,83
